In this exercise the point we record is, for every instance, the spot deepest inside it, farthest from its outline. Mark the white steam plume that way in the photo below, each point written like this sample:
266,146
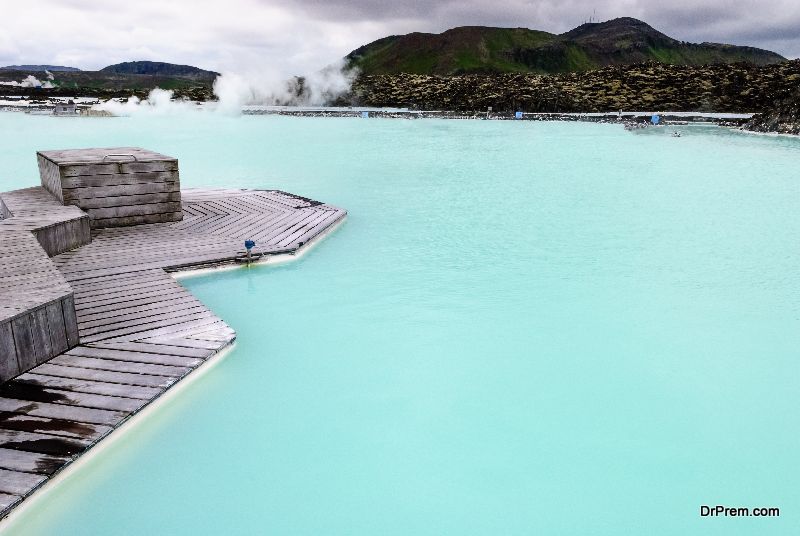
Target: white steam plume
29,81
235,90
158,102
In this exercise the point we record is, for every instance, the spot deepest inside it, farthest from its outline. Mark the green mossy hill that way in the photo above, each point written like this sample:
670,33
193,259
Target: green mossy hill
740,87
480,49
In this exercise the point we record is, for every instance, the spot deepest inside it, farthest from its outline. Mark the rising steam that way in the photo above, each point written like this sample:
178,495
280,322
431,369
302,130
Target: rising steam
235,90
317,89
30,81
158,102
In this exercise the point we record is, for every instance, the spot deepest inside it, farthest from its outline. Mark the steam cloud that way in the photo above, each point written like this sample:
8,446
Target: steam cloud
30,81
317,89
158,102
235,90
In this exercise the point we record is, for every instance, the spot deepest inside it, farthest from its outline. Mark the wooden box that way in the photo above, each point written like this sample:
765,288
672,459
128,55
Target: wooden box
116,187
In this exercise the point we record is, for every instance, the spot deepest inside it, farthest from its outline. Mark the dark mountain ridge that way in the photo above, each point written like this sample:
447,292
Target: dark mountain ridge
120,80
39,68
590,46
158,68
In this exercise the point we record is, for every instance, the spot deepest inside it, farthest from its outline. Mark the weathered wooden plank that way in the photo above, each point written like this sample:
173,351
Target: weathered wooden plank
41,443
88,319
47,285
31,462
302,228
64,235
117,279
24,343
322,222
136,356
107,160
176,328
120,221
41,334
187,342
86,295
83,301
163,258
127,211
119,366
121,168
29,391
121,252
117,179
285,226
58,332
126,303
93,204
4,211
30,423
91,387
96,375
9,366
17,483
217,335
114,282
129,321
119,185
18,262
70,320
183,262
63,412
7,501
163,349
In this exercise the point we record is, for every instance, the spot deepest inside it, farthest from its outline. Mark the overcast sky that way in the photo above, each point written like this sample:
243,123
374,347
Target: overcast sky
299,36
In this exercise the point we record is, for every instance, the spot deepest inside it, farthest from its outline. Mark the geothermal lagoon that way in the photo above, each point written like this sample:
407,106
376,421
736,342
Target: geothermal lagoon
521,328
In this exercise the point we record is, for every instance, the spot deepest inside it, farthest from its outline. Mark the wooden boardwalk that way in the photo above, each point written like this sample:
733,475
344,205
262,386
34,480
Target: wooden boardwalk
27,277
57,227
140,330
36,304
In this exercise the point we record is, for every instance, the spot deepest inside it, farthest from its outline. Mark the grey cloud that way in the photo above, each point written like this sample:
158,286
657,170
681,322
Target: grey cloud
749,22
300,36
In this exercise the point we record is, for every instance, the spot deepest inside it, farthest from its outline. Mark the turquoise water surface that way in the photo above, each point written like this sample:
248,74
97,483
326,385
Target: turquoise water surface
521,329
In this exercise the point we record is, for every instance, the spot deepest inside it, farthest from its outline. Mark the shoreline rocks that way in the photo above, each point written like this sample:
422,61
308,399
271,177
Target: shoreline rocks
783,117
738,87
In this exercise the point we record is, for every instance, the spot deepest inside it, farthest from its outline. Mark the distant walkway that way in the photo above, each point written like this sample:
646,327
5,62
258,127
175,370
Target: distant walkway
140,330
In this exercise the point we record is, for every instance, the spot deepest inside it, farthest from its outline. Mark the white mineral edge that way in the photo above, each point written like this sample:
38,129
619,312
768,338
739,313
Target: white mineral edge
266,260
41,494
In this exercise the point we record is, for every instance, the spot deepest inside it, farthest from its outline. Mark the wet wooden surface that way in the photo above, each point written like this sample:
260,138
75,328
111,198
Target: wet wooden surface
140,330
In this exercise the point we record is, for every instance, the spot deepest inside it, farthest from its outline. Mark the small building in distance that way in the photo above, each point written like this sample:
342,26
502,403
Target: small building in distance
65,108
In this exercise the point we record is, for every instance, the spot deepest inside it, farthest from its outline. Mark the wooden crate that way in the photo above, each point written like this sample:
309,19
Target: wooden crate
117,186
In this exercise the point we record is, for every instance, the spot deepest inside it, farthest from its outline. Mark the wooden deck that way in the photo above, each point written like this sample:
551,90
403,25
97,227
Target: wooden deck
140,330
57,227
36,304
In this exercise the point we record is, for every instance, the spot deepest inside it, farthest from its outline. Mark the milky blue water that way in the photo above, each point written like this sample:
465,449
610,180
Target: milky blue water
522,328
